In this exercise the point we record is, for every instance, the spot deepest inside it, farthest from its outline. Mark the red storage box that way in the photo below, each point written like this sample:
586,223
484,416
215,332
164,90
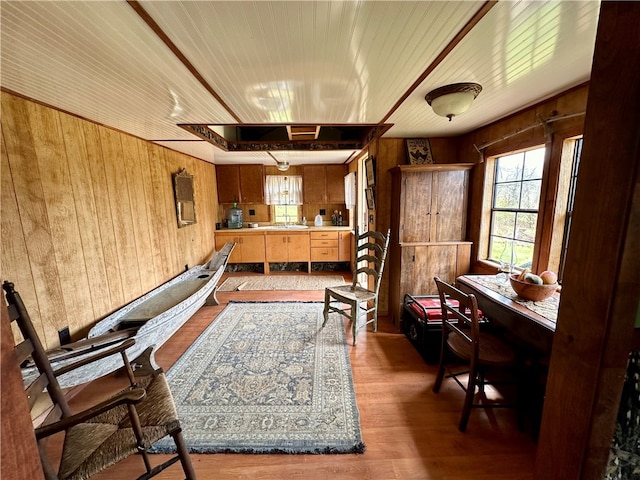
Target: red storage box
422,324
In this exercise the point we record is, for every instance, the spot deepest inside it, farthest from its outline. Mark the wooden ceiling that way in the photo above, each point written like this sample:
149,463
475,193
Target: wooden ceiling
146,67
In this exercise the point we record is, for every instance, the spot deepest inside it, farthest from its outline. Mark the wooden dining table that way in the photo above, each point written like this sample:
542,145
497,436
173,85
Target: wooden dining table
531,324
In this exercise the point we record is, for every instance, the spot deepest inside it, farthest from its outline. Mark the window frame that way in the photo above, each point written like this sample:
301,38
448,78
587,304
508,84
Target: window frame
515,210
292,220
553,201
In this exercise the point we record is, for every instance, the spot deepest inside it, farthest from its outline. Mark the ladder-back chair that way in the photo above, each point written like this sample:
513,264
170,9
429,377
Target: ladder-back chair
370,255
98,437
481,351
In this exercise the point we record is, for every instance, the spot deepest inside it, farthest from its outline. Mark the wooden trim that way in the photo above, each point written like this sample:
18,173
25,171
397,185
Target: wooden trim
432,167
555,205
20,457
482,11
176,51
601,289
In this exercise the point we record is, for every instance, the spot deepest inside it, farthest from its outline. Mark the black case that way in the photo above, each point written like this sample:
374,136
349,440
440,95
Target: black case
426,337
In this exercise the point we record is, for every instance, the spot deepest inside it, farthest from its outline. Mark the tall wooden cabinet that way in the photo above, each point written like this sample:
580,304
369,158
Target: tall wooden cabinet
428,229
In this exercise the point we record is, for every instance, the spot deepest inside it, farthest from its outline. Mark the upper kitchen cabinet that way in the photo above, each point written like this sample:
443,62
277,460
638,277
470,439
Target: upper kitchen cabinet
240,183
323,183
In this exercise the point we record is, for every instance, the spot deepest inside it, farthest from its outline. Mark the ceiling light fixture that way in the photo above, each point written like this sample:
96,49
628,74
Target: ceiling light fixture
452,100
282,166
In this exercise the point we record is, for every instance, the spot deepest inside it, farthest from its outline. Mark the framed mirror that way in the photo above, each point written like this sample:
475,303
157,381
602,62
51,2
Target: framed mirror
185,203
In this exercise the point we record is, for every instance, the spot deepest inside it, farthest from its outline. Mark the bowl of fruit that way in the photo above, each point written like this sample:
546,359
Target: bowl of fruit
534,287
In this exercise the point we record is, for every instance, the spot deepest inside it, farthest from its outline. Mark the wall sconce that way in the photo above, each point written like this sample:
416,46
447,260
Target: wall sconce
452,100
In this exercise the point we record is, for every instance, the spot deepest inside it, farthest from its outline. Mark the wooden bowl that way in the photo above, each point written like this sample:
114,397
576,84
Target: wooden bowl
531,291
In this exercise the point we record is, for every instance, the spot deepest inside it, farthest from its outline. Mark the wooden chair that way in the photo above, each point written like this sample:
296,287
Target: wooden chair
480,350
370,254
108,432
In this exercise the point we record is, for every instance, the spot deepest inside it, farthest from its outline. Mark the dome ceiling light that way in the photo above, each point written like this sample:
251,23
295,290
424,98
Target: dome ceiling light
451,100
282,165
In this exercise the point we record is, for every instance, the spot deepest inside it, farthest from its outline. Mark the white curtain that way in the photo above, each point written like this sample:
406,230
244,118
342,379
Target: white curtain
350,190
283,190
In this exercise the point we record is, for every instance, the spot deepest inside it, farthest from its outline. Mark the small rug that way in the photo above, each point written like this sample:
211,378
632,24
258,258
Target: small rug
266,378
280,282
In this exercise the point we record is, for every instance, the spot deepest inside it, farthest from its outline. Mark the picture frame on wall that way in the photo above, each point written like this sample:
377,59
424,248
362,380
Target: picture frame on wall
371,204
419,151
370,168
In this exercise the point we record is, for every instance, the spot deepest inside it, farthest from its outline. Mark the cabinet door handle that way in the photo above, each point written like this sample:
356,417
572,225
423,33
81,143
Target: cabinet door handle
288,239
284,239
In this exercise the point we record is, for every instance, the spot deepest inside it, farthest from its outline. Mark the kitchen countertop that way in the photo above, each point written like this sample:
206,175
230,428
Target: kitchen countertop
278,228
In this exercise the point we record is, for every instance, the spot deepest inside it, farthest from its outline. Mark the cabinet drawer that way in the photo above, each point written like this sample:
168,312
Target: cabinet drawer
329,254
324,243
324,236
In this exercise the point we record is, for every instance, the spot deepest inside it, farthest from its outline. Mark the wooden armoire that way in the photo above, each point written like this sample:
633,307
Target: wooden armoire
428,229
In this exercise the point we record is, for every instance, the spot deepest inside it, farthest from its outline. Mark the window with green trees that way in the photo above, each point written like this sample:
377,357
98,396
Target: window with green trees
514,211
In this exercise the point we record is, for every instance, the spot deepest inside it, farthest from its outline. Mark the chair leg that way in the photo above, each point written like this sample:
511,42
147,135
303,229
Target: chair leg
183,453
355,316
439,378
375,315
468,399
327,301
137,431
441,366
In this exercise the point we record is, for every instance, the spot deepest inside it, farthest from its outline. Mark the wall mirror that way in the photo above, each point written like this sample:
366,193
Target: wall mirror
185,204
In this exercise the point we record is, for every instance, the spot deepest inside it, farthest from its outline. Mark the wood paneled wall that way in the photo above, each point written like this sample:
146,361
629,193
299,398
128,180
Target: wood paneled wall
88,216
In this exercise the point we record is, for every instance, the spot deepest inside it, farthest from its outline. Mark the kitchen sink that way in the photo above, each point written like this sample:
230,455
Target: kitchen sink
284,227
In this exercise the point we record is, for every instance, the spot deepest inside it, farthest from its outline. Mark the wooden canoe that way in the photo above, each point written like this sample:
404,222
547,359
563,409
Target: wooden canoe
151,320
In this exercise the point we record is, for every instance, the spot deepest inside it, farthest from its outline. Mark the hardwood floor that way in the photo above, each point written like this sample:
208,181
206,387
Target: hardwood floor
409,432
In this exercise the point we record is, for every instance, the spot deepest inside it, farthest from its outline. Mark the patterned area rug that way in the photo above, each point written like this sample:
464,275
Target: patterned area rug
265,378
280,282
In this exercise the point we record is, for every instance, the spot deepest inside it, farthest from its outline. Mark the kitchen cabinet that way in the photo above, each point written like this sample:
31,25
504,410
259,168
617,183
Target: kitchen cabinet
287,247
284,245
335,183
250,247
345,240
323,183
240,183
431,204
324,246
428,229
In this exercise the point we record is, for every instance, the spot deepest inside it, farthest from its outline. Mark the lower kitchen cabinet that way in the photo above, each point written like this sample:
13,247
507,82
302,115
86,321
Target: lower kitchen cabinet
324,246
249,247
284,246
287,247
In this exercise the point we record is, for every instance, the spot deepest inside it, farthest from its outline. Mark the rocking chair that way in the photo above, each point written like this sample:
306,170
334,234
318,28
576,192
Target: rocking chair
108,432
